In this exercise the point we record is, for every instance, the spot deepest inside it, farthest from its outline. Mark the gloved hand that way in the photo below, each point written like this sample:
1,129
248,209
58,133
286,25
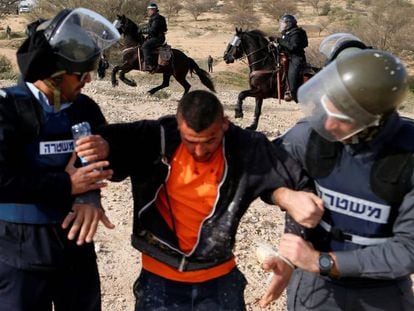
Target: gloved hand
272,38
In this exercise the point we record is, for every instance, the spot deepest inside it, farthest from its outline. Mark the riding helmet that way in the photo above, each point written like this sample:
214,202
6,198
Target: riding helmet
153,6
290,20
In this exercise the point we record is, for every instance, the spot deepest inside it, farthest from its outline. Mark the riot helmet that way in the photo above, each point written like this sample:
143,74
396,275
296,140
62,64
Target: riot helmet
287,21
359,89
69,43
152,6
340,44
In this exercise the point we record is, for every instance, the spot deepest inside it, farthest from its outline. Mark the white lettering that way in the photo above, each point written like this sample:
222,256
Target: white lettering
353,206
56,147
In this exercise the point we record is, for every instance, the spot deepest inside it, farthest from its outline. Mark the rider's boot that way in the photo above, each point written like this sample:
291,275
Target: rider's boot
288,96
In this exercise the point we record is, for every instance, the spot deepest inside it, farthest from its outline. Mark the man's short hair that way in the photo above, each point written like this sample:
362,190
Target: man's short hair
199,109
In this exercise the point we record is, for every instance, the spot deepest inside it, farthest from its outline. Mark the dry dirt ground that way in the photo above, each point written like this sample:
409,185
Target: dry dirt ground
119,263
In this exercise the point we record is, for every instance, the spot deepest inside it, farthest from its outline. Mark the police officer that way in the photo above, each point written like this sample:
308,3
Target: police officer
359,152
340,44
157,27
293,42
48,205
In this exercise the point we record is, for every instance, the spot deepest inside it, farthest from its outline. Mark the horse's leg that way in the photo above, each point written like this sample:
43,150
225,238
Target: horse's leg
124,79
184,84
238,111
165,83
113,76
257,113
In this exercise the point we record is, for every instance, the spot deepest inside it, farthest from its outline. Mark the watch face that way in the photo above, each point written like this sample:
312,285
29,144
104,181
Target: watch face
325,262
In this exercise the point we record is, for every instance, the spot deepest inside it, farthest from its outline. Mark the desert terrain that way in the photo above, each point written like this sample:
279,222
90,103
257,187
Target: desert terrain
119,263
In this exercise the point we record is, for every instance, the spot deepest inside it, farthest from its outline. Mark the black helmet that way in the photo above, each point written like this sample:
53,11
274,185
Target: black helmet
70,42
290,20
153,6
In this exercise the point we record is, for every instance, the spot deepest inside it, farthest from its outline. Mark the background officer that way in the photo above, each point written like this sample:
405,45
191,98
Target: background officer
157,27
294,40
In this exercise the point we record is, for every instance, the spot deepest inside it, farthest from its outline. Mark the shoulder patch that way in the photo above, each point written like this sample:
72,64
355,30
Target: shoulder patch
3,93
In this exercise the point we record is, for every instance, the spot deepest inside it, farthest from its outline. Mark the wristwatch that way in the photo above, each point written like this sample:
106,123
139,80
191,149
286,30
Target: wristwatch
325,263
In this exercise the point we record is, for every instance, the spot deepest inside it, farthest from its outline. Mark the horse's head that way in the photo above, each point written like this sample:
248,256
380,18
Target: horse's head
234,48
128,28
121,23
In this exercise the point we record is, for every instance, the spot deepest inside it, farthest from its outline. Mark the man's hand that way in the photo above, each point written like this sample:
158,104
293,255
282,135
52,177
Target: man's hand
88,177
299,252
280,279
305,208
92,148
85,219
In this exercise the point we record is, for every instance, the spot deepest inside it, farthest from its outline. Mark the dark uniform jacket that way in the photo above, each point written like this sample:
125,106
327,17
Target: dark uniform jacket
371,185
294,41
253,167
157,26
25,181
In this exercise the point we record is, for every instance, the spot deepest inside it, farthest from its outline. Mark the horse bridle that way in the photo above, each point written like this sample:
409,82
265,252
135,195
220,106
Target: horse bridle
238,41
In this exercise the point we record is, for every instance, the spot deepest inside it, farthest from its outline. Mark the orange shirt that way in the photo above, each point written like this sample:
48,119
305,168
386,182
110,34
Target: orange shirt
192,189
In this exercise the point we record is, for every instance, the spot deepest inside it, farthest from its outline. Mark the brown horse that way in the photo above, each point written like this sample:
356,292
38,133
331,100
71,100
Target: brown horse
132,58
268,71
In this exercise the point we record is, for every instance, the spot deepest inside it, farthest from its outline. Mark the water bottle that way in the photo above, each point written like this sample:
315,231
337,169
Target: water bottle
80,130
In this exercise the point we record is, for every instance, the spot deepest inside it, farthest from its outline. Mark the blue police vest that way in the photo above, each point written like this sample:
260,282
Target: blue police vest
352,207
49,152
362,191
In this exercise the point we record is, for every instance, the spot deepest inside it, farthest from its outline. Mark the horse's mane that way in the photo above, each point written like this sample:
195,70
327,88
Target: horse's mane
259,34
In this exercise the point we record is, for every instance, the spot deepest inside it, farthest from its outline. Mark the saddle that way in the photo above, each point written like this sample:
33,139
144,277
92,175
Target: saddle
164,54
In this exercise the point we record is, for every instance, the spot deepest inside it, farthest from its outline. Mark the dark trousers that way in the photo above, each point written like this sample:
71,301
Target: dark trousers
295,78
311,292
156,293
210,67
148,48
72,288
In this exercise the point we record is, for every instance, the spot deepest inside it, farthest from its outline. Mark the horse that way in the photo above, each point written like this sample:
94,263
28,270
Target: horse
132,58
268,69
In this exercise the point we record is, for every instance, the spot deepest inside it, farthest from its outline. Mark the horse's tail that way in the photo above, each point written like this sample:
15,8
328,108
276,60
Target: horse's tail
201,73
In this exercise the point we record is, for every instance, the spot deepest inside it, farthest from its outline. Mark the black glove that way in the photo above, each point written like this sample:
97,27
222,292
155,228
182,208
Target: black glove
272,38
278,39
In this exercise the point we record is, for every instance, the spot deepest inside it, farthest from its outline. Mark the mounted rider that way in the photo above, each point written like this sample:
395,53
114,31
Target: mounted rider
293,42
156,29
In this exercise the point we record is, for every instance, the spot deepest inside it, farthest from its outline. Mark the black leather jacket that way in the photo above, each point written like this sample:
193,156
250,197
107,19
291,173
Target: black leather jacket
253,168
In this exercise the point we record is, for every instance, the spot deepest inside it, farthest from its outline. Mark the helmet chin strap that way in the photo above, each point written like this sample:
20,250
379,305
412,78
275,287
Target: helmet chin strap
54,83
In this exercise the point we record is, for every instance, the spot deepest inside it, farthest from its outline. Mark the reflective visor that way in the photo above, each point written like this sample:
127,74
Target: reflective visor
330,108
82,34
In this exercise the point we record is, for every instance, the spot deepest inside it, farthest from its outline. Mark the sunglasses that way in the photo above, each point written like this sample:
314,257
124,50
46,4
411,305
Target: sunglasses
325,102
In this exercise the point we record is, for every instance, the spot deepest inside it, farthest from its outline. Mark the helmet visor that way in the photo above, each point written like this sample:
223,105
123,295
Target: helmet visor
331,42
330,108
82,35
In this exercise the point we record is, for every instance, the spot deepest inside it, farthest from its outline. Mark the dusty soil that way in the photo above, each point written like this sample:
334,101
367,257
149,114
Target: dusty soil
119,263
